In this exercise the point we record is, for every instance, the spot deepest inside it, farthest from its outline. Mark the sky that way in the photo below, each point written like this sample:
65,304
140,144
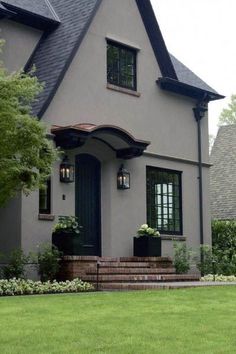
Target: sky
201,34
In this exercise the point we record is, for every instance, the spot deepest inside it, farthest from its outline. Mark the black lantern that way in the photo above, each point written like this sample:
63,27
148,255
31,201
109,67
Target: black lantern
123,178
66,171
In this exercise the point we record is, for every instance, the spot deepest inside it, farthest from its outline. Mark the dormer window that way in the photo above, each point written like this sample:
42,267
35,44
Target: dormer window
121,65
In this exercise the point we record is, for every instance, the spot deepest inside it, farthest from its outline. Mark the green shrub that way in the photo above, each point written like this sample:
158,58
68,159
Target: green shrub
28,287
205,264
224,246
16,265
48,258
224,235
182,258
226,278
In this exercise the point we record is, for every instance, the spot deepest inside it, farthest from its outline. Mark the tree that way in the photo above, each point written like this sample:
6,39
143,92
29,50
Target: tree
228,115
26,155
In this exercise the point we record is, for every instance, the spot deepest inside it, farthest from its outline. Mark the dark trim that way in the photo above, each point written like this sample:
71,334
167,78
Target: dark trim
5,12
68,62
30,18
179,173
184,89
47,210
156,39
121,46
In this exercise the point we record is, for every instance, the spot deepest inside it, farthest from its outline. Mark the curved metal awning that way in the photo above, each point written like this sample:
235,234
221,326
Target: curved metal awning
118,139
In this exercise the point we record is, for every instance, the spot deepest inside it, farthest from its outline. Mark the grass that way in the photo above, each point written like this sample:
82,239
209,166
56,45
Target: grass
200,320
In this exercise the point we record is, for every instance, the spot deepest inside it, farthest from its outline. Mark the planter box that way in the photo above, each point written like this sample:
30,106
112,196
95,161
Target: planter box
67,243
147,246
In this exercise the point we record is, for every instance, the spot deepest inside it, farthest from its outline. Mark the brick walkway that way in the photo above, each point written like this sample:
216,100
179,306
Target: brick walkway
166,285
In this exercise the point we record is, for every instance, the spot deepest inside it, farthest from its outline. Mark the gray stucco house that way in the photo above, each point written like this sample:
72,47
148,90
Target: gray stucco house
223,174
113,96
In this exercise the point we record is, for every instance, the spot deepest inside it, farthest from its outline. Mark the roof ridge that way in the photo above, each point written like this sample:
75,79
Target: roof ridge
52,10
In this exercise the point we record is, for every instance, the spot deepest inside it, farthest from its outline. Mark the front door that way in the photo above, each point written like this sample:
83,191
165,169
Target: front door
88,203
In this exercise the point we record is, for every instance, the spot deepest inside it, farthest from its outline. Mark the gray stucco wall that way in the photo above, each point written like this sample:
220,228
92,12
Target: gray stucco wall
10,226
163,118
20,43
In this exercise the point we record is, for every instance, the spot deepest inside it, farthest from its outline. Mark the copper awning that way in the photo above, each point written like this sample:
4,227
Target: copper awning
118,139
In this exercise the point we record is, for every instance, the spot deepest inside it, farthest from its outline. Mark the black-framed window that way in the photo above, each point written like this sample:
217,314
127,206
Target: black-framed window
121,65
45,198
164,200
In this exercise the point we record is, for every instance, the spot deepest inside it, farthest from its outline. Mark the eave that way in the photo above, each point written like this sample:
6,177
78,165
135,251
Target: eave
181,88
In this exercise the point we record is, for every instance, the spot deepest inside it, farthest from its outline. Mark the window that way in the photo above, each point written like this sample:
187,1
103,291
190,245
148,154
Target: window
164,200
45,198
121,65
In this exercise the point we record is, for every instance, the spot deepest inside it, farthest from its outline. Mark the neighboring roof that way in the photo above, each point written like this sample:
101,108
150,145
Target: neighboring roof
57,47
116,138
223,174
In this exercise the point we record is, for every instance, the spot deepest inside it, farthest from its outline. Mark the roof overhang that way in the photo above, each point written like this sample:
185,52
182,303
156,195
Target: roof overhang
184,89
33,19
119,140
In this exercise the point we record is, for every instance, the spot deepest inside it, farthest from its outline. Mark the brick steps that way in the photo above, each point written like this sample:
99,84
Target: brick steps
123,273
140,278
123,270
147,286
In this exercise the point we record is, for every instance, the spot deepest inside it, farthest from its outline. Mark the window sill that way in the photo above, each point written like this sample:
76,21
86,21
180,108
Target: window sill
46,217
123,90
173,238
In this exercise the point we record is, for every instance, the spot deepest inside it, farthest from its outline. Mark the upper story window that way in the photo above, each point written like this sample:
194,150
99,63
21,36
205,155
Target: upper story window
45,198
164,200
121,65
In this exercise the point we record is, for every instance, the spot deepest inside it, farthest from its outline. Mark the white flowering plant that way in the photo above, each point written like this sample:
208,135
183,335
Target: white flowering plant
67,224
145,230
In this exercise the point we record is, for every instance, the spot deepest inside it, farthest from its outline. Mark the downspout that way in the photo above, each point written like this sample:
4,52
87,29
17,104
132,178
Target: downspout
199,113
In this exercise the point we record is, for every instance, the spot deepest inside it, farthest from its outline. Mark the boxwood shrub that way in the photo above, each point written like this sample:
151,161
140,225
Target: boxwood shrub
15,286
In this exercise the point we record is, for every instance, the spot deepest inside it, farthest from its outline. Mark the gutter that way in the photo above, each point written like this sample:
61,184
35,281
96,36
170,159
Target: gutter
199,113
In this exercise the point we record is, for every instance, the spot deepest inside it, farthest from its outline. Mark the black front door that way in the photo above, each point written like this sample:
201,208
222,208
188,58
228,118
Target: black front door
88,203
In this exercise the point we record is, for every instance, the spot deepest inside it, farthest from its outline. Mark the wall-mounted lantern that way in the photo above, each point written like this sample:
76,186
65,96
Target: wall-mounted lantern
123,178
67,171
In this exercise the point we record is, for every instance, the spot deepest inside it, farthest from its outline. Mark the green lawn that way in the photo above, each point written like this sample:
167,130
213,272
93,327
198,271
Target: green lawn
200,320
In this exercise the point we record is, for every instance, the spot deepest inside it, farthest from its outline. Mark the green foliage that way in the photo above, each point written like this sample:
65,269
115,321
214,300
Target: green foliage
224,235
224,246
16,265
26,155
205,264
221,278
48,262
29,287
145,230
182,257
68,224
228,115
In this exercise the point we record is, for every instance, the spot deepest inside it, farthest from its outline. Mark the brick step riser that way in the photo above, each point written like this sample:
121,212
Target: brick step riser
136,264
139,271
139,278
127,286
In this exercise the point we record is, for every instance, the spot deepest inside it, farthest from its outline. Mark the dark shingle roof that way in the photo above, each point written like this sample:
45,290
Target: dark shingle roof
223,174
57,47
39,7
186,76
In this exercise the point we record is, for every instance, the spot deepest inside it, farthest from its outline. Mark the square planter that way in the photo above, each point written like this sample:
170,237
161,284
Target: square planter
147,246
67,243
